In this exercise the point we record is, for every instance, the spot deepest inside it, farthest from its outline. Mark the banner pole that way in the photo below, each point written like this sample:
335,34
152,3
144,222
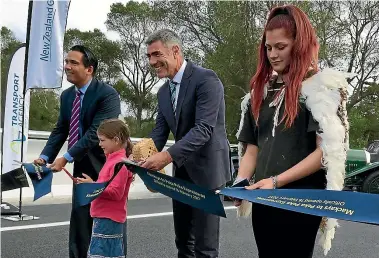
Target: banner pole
8,209
24,94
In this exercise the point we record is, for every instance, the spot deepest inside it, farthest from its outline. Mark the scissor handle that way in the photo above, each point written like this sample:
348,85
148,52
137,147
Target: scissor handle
68,173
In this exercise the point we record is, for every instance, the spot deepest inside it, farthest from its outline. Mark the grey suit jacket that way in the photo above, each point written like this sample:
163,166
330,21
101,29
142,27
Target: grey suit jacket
199,127
100,102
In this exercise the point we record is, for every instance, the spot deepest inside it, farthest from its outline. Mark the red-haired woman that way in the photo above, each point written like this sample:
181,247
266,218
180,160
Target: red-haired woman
293,133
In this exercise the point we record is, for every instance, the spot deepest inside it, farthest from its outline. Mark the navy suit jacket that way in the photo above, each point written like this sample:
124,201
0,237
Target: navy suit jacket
100,102
199,127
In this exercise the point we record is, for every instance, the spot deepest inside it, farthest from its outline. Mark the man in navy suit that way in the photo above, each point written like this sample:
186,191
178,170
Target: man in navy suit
83,107
191,105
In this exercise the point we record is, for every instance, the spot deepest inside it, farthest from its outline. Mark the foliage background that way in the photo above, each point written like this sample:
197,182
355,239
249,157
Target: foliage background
223,36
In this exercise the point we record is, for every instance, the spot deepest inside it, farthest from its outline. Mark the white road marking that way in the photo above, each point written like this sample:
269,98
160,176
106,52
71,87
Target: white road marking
65,223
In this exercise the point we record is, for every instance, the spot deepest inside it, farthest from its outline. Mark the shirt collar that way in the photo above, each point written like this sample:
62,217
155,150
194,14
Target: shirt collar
179,75
119,153
85,87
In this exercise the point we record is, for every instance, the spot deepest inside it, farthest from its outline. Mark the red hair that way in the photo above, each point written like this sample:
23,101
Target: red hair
303,56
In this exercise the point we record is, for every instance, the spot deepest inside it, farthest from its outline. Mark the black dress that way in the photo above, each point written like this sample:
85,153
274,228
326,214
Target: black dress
278,232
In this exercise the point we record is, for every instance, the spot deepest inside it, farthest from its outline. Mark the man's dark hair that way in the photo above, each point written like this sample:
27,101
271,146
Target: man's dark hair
89,59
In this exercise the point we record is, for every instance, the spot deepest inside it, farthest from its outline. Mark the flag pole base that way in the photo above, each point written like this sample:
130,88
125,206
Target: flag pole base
12,213
23,217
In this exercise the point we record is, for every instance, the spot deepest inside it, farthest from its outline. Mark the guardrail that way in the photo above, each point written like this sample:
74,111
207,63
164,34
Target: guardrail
44,135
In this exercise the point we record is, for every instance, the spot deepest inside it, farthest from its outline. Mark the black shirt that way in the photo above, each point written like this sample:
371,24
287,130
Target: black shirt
287,148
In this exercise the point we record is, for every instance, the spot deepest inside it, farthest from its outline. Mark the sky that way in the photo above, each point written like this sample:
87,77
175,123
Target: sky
83,14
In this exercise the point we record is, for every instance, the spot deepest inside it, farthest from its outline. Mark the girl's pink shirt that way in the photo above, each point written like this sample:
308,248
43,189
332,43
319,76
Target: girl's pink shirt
112,203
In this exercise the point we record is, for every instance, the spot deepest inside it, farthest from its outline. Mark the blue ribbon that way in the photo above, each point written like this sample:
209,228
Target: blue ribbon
87,192
352,206
180,190
343,205
175,188
41,178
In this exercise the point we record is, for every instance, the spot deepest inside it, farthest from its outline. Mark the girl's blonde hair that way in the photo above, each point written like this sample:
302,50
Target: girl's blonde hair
112,128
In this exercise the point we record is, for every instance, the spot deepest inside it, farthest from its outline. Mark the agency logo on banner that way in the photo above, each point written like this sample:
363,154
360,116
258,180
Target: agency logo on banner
17,139
49,15
15,117
45,46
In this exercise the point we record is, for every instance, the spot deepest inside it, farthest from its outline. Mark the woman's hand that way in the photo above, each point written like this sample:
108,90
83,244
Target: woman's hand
267,183
86,179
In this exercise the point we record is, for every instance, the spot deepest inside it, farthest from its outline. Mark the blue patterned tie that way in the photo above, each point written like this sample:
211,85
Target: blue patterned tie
173,95
74,122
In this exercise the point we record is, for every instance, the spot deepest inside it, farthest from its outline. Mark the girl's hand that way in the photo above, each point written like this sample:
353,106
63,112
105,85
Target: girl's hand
262,184
86,179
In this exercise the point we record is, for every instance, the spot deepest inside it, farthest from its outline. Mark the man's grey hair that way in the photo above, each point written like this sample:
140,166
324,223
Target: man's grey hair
167,37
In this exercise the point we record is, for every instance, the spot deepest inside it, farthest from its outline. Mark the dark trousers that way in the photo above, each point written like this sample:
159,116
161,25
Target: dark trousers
280,233
81,222
80,231
196,232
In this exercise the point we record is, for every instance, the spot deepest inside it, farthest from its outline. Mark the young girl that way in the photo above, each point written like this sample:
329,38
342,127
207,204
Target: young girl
293,130
109,209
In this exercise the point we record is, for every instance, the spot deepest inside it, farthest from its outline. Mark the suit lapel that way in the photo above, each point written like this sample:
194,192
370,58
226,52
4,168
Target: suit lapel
89,96
183,90
167,107
70,102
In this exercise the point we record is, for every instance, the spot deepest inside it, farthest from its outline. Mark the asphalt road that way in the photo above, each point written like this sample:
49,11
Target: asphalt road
153,236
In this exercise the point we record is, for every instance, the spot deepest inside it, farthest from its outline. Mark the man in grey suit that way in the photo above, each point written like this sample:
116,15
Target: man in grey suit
190,105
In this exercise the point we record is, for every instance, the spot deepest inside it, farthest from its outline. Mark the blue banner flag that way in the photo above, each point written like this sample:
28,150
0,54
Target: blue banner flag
352,206
87,192
180,190
14,179
41,177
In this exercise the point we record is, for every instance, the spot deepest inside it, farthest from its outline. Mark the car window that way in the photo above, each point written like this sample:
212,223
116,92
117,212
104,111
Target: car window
373,147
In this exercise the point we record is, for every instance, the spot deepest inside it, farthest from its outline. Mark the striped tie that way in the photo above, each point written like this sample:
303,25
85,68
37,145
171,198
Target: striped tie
74,124
173,95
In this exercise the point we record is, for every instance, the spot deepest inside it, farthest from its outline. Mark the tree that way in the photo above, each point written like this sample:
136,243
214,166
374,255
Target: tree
196,24
143,127
44,110
134,22
239,31
349,36
364,122
362,28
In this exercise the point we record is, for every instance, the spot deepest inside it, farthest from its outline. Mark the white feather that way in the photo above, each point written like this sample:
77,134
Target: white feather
323,98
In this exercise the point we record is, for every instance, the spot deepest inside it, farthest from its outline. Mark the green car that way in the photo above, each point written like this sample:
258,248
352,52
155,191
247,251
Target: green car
362,168
362,171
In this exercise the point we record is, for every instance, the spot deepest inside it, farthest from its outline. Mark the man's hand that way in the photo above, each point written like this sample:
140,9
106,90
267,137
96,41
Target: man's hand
157,161
58,164
86,179
39,161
